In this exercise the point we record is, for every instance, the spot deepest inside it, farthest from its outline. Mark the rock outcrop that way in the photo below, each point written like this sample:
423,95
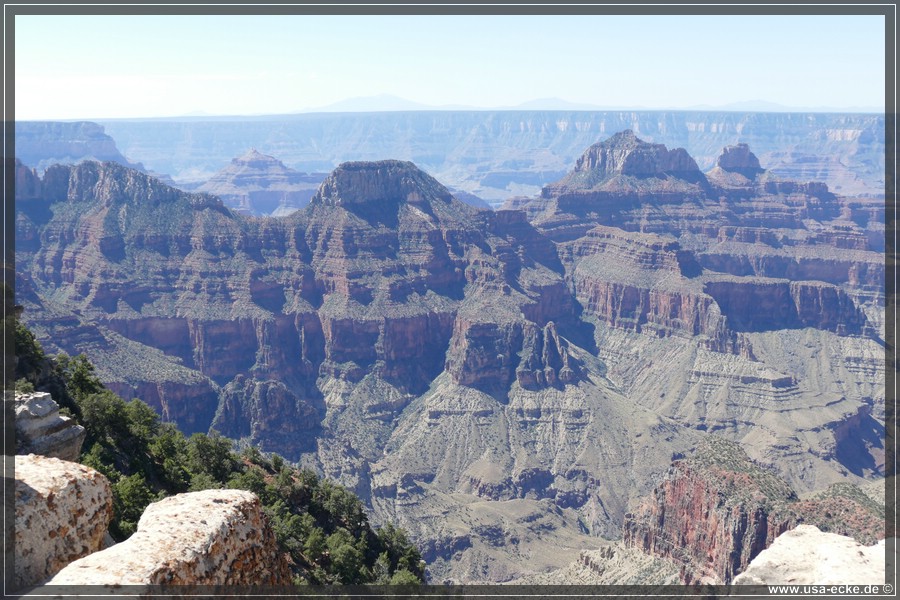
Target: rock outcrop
214,537
62,512
40,429
546,361
807,556
611,565
739,159
624,154
716,511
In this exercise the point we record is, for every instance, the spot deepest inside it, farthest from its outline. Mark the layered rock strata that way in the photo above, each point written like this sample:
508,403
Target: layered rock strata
62,512
40,429
713,513
214,537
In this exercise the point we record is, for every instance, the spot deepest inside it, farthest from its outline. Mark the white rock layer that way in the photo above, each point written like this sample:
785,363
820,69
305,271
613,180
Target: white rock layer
807,556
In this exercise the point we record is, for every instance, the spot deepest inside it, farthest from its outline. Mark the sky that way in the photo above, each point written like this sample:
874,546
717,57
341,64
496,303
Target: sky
101,67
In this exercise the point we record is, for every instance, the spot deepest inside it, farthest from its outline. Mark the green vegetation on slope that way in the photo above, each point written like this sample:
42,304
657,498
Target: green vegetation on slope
321,526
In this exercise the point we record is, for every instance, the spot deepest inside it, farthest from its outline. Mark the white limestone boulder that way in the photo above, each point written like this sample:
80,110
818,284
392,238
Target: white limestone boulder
63,510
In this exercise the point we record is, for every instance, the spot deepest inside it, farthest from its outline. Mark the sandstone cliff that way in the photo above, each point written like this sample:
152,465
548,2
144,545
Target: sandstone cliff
40,144
731,266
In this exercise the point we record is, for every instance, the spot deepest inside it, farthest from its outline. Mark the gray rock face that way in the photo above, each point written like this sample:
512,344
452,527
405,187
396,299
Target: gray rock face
612,564
62,512
213,537
807,556
40,429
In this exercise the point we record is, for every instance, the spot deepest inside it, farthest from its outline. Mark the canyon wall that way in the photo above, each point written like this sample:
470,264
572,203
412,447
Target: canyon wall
485,379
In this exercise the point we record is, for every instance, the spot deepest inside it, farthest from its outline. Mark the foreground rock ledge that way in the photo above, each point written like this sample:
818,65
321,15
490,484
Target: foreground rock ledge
213,537
807,556
62,512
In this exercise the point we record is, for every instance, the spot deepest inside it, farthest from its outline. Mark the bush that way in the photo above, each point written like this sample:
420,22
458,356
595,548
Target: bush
131,495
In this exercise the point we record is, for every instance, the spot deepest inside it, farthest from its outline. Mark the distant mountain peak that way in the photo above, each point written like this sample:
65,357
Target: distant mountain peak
626,135
256,183
386,182
254,157
626,154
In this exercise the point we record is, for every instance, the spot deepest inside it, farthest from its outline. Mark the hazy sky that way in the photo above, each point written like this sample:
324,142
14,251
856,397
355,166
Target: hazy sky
69,67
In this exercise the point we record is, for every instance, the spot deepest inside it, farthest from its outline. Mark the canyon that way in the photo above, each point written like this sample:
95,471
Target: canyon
510,385
491,154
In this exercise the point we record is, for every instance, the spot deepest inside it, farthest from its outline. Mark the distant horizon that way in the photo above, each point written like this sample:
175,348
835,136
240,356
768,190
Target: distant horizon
758,106
102,67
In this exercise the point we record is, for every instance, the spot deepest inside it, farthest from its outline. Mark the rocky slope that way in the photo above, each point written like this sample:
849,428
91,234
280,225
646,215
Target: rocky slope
734,259
496,155
502,384
258,184
614,565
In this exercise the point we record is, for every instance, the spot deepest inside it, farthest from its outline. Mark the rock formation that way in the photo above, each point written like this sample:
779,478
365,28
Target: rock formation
62,512
40,144
258,184
213,537
716,511
609,165
40,429
497,154
807,556
739,159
